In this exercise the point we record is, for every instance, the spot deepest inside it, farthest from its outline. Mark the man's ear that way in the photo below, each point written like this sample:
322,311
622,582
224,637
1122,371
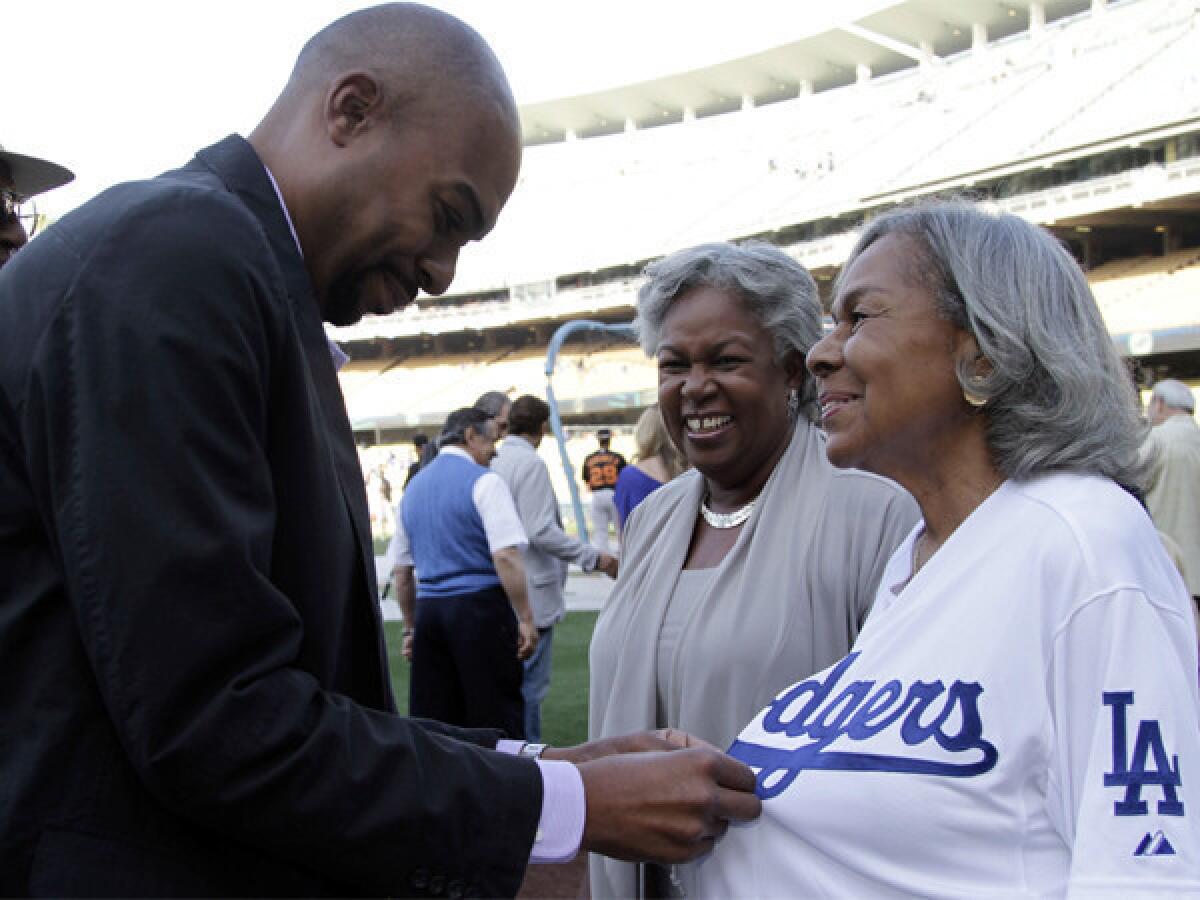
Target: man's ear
353,104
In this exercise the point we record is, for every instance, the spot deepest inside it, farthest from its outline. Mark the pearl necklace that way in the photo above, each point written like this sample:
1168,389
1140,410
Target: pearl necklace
729,519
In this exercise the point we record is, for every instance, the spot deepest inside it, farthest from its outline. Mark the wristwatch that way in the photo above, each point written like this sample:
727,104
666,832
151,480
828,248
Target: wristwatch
531,751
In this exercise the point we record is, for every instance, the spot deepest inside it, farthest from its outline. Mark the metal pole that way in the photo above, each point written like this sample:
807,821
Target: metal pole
560,336
560,439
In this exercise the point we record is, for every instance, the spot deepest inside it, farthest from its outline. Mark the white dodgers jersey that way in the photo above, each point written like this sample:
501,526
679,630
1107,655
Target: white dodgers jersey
1018,719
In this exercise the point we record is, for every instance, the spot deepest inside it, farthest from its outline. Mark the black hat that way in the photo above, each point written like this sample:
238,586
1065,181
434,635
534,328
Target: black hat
603,433
32,176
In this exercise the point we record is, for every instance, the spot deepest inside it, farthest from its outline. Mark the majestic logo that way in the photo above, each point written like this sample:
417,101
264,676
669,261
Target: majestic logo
860,711
1147,766
1155,844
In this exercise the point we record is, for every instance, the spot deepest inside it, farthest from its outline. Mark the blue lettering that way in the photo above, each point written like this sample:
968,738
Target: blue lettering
1135,773
964,695
794,726
806,710
861,727
920,695
1118,701
829,726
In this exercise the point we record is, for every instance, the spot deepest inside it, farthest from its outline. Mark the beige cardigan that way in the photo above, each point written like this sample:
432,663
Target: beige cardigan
1173,496
786,601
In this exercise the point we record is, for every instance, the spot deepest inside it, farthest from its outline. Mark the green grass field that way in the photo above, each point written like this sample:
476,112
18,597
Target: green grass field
564,714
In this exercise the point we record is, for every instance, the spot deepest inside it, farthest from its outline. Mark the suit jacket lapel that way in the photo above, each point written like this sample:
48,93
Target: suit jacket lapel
236,162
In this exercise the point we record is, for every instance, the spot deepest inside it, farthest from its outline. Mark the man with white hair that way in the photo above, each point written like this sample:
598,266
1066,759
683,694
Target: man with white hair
1173,495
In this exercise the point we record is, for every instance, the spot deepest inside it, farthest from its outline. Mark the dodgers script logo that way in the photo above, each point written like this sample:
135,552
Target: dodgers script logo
811,709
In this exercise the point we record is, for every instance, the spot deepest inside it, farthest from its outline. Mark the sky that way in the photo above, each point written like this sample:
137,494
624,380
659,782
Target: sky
128,88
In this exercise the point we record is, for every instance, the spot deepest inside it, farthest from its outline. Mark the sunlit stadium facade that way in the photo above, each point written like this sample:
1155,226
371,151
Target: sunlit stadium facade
1080,115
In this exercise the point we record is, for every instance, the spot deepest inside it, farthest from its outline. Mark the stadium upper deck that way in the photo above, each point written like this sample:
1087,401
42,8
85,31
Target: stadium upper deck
944,94
1083,116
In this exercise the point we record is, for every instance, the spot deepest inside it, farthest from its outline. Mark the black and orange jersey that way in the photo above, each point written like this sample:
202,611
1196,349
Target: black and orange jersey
600,469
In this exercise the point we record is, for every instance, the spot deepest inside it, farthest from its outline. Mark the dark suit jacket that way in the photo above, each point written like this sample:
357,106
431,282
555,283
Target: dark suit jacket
195,697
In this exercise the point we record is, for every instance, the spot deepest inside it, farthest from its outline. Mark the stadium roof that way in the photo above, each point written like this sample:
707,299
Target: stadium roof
892,35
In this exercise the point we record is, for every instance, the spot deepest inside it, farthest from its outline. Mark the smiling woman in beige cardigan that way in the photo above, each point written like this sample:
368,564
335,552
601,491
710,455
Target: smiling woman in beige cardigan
755,568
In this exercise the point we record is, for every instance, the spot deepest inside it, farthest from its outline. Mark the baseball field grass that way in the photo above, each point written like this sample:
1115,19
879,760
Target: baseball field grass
564,714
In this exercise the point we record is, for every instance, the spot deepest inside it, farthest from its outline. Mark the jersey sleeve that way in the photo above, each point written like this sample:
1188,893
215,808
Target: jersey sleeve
498,512
399,551
1124,778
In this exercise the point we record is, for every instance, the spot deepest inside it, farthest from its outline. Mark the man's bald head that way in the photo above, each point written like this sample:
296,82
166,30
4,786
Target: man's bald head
395,143
417,53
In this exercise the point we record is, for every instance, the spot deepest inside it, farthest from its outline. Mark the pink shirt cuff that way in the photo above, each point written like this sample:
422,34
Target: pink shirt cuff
560,827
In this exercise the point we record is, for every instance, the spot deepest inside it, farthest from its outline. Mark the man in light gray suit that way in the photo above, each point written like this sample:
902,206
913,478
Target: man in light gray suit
550,548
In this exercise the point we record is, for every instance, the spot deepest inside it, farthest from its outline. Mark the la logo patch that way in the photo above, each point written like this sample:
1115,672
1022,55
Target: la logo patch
1147,766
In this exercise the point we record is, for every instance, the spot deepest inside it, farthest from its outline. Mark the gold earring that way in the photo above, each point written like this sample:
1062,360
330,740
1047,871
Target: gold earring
972,394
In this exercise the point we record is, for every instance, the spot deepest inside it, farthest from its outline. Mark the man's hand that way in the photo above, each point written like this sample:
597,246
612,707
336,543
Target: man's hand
511,569
663,740
607,563
527,639
405,581
664,807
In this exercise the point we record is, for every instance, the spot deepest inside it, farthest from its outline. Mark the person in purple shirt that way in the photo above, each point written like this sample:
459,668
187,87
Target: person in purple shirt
656,463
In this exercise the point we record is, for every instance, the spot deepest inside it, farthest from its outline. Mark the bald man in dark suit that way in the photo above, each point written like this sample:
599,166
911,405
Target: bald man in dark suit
196,698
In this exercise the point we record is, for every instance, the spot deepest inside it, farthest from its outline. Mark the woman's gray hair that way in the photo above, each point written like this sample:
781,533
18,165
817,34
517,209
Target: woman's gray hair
1058,396
775,288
